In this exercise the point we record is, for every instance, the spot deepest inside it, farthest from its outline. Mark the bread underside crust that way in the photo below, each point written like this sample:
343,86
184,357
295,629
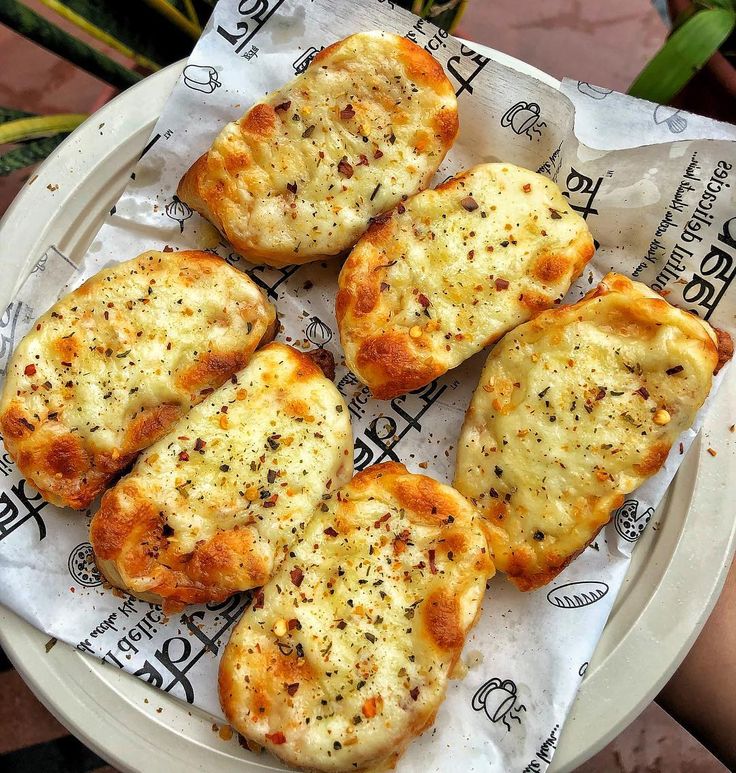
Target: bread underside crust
112,365
344,656
210,508
573,411
299,177
451,270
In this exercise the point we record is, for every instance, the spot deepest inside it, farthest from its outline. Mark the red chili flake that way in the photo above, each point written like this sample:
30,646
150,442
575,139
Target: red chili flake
297,576
283,106
183,456
385,286
502,284
384,217
423,300
527,187
199,444
601,393
370,707
258,599
432,565
381,520
673,371
643,391
324,360
294,623
469,204
30,370
276,738
292,688
344,168
378,154
342,625
347,112
554,214
363,160
330,532
414,692
291,187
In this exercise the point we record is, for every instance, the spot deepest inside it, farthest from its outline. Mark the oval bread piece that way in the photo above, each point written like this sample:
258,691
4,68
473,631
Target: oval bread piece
451,270
344,656
208,509
113,364
574,410
301,174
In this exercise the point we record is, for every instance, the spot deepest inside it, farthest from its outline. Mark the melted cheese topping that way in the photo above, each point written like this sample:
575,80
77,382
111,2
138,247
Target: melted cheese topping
453,269
301,174
574,410
209,509
110,366
344,656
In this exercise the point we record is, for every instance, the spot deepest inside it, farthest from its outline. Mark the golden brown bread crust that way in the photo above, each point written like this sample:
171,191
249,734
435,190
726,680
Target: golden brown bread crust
573,411
345,654
301,174
209,509
450,270
107,370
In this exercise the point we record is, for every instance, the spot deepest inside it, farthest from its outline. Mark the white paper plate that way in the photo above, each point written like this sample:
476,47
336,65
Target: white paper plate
674,580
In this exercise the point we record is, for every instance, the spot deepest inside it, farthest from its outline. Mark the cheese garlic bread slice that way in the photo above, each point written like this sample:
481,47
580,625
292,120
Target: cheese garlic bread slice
451,270
301,174
112,365
344,656
574,410
209,509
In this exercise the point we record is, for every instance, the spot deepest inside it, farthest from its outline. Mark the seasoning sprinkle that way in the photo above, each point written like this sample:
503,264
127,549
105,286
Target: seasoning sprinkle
344,168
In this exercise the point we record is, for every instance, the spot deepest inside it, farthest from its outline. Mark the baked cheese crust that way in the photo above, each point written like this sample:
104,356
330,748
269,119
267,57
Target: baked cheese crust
209,509
301,174
574,410
451,270
112,365
344,656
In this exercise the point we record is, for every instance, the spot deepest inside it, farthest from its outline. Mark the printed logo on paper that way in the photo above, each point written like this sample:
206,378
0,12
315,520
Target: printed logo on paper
498,700
629,522
82,566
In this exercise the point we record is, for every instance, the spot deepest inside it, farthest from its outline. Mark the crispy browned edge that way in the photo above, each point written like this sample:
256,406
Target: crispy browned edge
78,470
393,363
425,502
202,189
646,309
131,538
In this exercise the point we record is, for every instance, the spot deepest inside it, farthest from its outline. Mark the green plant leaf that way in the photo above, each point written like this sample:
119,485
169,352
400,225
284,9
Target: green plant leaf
11,114
23,129
32,153
687,50
48,35
139,32
177,17
726,4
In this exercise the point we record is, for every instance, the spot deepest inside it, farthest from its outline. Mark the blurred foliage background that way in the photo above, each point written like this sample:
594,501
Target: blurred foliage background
149,34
